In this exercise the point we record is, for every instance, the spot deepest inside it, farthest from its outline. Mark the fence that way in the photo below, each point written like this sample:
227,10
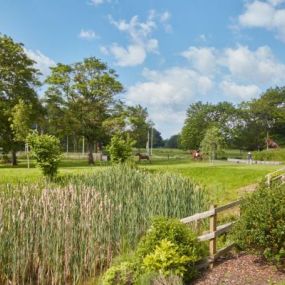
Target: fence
275,176
214,230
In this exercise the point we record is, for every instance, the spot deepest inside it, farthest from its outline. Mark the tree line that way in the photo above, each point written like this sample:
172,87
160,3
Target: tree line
247,126
80,103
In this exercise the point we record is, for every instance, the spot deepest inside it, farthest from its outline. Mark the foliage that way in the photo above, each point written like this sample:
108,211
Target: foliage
166,237
120,150
18,80
121,274
166,260
78,224
173,141
201,117
157,138
212,142
83,95
270,155
21,120
262,223
137,124
46,150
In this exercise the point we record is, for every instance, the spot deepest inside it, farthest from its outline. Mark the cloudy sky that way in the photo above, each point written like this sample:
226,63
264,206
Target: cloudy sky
167,53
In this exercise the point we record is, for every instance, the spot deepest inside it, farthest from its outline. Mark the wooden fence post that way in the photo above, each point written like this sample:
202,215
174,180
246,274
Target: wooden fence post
213,243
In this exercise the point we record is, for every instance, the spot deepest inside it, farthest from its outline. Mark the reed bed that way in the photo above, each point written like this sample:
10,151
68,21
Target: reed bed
68,233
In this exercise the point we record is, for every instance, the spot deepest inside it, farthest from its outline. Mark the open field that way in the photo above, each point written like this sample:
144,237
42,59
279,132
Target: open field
223,180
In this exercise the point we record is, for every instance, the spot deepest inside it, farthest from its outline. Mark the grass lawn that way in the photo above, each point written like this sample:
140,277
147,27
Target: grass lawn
222,180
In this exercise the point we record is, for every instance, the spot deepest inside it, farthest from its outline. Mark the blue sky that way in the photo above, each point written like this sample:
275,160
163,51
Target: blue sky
168,54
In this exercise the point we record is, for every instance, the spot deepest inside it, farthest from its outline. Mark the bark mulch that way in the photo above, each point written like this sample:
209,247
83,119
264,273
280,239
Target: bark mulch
241,269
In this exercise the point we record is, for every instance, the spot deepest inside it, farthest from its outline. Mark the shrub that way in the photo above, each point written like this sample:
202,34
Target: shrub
46,151
120,150
261,227
123,273
166,260
180,240
270,155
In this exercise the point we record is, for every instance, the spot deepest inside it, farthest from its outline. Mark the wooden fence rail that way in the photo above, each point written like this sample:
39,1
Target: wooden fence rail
214,230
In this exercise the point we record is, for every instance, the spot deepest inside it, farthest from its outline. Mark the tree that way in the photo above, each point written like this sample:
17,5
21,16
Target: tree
202,116
46,150
85,92
268,111
138,125
120,149
21,120
18,80
157,139
173,141
212,142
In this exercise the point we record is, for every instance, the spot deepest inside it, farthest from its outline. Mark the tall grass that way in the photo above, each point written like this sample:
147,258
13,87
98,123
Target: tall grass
68,233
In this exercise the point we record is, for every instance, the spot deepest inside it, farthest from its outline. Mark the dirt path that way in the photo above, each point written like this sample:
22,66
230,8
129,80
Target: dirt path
242,269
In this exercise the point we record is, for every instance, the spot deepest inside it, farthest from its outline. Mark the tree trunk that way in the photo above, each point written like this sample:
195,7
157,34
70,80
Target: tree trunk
90,153
14,157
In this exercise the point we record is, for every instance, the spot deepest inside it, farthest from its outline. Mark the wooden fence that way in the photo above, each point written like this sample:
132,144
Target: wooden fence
215,230
278,175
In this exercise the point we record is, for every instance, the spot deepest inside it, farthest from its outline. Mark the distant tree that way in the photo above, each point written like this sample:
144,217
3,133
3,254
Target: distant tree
18,80
157,138
268,112
212,142
85,94
173,142
201,116
138,124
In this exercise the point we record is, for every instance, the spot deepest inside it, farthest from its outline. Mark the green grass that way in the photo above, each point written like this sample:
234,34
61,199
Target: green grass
223,180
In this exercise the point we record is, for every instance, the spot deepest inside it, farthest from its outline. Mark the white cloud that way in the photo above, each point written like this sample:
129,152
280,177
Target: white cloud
130,56
98,2
241,92
166,94
239,64
43,62
141,42
269,15
259,66
203,59
87,34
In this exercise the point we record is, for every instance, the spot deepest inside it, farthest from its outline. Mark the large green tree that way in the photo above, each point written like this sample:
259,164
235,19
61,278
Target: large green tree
18,80
83,96
201,116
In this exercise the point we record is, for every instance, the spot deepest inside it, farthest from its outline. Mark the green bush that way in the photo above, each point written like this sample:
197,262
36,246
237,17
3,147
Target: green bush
46,150
270,155
166,260
123,273
261,227
180,239
120,149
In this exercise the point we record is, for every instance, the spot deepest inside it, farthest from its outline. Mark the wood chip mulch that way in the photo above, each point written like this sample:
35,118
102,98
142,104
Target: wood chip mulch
241,269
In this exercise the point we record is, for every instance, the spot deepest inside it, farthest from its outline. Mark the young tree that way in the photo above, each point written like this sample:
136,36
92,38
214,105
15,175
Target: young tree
46,150
120,149
18,80
86,93
212,142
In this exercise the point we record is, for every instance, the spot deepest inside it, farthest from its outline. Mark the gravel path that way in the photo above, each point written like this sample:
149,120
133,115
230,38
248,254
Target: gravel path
242,269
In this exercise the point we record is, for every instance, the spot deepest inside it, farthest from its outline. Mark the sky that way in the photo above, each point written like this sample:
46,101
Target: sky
168,54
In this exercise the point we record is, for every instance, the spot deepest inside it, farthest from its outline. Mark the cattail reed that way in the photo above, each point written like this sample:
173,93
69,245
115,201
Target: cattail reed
68,233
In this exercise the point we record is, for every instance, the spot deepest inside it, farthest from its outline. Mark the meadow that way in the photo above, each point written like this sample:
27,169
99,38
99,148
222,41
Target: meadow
223,181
